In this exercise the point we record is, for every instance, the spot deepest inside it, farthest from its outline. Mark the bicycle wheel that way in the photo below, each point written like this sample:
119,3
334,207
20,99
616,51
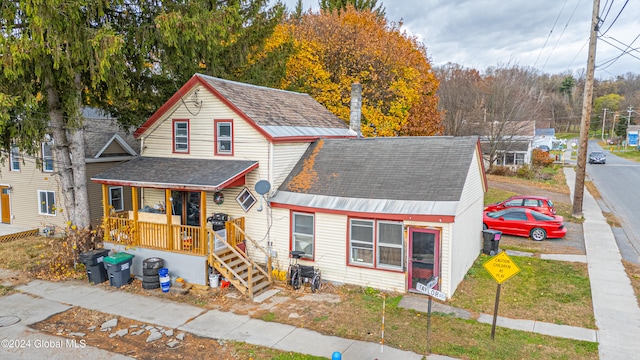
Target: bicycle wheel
316,282
295,279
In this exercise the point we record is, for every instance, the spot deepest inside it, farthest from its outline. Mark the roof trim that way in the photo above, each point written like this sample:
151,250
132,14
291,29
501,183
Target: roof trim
400,209
117,138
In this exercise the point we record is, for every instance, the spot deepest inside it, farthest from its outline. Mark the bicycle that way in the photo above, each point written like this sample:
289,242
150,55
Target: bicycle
297,274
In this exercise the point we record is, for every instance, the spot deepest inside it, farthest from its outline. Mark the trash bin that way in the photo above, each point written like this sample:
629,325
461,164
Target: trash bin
491,241
94,262
119,268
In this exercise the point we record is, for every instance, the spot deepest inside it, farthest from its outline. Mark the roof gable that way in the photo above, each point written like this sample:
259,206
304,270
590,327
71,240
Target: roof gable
274,113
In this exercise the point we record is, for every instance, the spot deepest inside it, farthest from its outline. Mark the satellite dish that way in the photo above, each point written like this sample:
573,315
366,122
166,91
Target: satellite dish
263,187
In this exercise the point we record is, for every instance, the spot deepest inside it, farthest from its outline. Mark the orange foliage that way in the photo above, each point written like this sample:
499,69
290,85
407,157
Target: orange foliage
308,176
333,50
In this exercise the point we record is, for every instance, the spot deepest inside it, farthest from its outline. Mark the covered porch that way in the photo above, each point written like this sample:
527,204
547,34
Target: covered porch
182,227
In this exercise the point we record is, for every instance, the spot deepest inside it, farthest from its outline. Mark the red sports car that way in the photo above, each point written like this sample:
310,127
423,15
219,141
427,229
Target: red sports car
538,203
525,222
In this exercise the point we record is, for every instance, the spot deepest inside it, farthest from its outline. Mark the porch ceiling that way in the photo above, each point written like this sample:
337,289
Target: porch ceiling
178,173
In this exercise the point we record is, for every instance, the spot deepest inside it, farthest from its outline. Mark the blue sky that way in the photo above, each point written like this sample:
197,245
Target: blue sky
550,35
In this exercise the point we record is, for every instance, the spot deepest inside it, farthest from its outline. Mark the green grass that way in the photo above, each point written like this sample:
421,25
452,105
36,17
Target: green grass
544,290
567,135
629,154
496,195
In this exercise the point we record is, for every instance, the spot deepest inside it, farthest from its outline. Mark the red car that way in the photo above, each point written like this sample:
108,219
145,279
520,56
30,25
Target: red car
538,203
525,222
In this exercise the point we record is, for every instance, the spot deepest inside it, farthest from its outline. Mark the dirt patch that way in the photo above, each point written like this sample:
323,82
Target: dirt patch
633,271
84,326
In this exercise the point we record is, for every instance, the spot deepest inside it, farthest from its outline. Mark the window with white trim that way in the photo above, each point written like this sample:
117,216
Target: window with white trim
47,202
376,243
115,198
302,234
181,136
14,158
47,157
246,199
224,137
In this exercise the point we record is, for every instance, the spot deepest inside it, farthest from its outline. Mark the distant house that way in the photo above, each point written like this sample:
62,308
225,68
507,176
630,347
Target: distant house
31,195
383,212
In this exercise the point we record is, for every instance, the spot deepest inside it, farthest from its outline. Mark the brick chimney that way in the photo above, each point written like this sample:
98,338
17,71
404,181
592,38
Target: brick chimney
356,108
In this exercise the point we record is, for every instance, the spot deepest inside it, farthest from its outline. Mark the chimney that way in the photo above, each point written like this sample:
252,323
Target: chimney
356,108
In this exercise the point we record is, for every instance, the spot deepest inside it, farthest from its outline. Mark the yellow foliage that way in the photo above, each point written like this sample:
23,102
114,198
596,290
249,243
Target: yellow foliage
333,50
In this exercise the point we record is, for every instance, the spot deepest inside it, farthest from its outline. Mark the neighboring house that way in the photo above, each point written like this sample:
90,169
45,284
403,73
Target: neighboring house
209,151
513,153
31,195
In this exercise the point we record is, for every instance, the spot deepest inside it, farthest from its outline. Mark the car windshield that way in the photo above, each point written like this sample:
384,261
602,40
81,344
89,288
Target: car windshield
597,153
498,214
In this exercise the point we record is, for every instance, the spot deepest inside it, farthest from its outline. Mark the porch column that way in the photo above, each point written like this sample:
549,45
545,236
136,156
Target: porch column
203,222
134,204
105,213
168,211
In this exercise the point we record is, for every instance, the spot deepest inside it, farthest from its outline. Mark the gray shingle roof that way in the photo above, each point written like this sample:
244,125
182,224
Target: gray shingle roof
99,130
271,108
400,168
188,174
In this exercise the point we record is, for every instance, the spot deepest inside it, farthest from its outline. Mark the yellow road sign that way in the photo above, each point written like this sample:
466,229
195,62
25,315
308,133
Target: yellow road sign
501,267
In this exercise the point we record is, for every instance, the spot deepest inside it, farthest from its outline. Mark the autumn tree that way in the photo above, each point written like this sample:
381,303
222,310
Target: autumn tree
460,99
332,50
611,102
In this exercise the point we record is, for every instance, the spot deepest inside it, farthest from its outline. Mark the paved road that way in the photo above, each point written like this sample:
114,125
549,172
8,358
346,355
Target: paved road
619,184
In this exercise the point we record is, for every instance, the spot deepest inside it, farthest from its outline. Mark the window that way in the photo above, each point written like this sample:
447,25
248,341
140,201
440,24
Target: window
47,157
181,136
14,158
378,244
302,234
390,244
47,202
246,199
224,137
115,198
361,242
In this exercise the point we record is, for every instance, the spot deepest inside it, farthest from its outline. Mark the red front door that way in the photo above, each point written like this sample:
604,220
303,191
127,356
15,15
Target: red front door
424,256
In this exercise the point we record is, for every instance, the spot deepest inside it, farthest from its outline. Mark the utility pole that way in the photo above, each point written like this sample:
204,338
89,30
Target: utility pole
578,192
604,117
630,110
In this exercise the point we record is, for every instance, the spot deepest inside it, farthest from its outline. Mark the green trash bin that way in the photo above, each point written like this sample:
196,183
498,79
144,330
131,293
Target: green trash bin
119,268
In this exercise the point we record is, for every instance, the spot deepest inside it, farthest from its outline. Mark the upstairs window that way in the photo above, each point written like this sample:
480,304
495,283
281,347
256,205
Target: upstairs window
47,157
181,136
224,137
14,158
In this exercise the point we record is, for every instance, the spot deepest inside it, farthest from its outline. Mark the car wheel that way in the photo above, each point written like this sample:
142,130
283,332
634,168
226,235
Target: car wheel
538,234
149,272
484,226
151,278
150,286
152,263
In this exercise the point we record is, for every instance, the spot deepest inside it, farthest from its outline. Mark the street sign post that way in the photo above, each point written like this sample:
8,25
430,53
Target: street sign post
501,268
429,290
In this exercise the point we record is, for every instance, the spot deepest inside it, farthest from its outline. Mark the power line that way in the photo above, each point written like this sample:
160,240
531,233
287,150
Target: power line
550,32
616,18
560,37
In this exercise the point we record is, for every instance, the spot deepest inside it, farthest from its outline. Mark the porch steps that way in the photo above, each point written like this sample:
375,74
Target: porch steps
236,272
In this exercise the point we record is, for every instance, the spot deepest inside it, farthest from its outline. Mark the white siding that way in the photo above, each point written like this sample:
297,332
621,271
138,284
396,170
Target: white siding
24,200
467,229
285,157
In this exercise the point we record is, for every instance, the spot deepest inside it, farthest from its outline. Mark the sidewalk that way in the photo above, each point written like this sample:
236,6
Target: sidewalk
51,298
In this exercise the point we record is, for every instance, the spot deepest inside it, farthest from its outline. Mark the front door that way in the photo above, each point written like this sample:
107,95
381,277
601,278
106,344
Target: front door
424,256
4,204
187,205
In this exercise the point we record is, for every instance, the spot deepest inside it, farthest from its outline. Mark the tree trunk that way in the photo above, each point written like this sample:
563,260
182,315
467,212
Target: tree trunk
70,162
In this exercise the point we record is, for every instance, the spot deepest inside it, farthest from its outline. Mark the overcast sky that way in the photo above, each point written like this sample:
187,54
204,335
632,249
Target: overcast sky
550,35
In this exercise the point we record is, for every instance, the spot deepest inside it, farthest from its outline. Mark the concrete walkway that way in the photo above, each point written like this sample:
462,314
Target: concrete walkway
614,303
51,298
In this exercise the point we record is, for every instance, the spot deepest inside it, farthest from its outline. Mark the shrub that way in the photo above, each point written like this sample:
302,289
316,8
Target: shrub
541,158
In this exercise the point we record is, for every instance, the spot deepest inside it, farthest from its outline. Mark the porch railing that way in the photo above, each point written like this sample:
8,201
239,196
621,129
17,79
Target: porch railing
186,239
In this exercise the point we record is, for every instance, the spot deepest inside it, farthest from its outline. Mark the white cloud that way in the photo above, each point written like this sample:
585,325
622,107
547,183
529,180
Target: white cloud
484,33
